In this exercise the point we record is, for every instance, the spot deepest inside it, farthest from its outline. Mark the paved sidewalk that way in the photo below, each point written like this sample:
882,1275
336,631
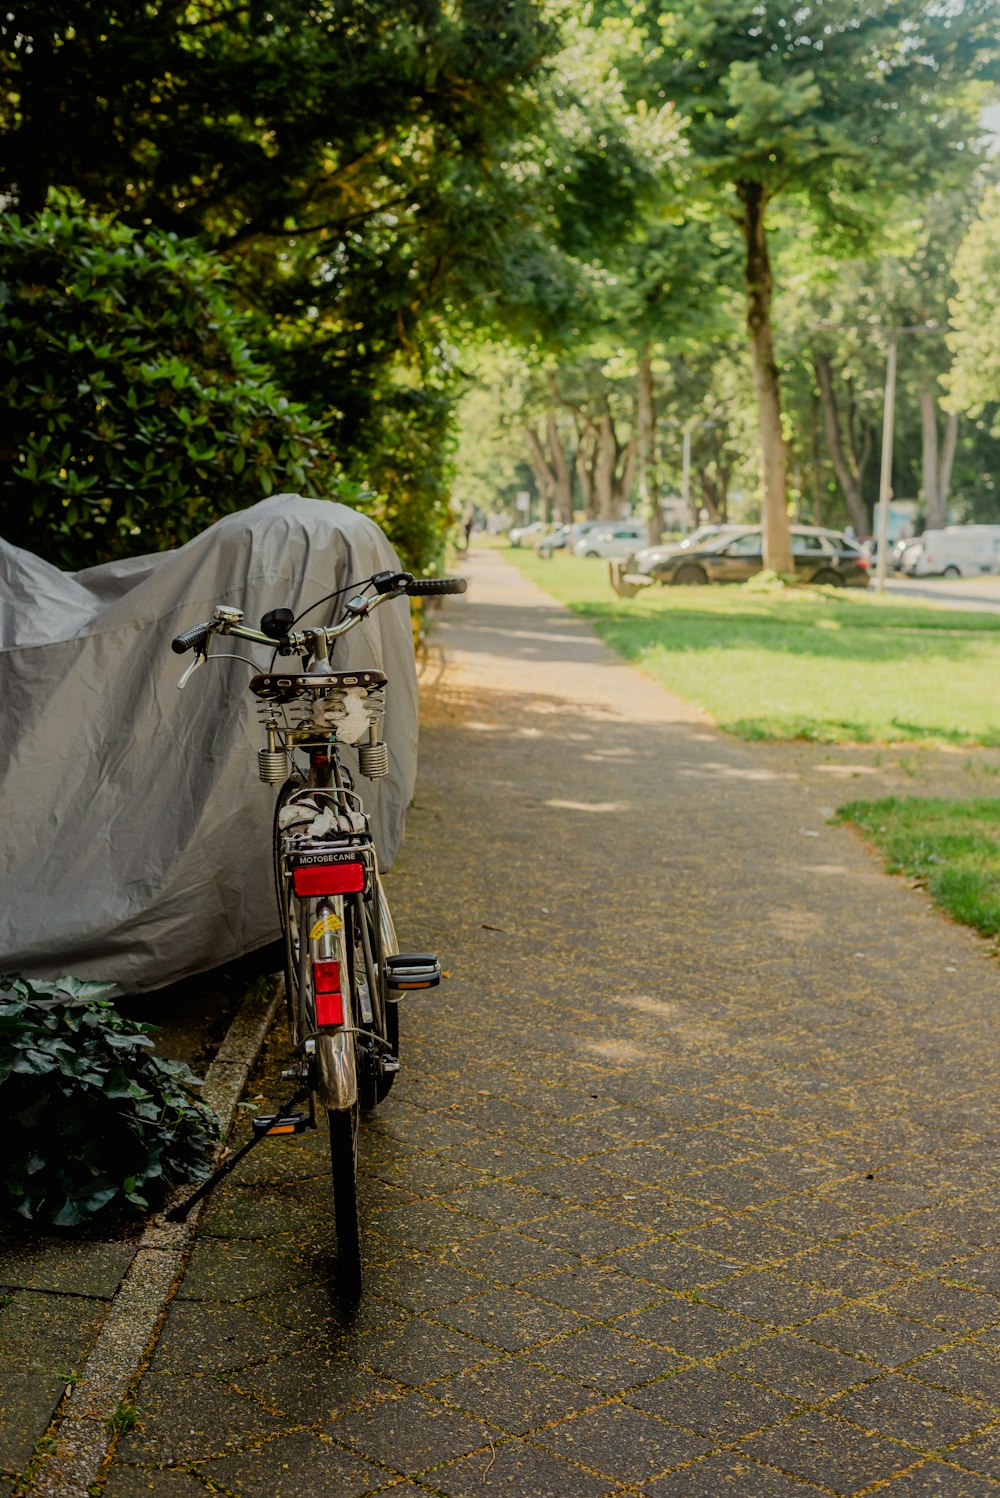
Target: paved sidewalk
688,1184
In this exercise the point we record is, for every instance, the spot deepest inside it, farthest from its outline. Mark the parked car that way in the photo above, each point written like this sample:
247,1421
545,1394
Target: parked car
518,534
957,551
565,537
820,556
643,562
615,540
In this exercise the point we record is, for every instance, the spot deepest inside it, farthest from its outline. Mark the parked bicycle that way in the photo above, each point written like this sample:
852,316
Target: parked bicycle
344,975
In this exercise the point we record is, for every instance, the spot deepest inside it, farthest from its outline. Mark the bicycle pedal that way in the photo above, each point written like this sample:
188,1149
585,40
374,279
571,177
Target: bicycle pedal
277,1123
388,1065
409,970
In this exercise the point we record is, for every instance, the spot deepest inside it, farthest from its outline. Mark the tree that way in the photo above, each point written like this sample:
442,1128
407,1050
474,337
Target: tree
357,165
834,105
974,380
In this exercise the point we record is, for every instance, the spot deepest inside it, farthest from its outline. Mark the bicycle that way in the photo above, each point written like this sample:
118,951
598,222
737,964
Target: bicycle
344,974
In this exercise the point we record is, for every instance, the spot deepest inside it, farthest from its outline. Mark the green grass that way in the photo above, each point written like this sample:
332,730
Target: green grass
951,848
827,664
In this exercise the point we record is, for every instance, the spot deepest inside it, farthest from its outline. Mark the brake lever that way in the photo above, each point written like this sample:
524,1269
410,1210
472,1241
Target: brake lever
199,660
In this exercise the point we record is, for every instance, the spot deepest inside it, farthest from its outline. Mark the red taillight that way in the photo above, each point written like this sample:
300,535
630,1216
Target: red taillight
329,999
329,879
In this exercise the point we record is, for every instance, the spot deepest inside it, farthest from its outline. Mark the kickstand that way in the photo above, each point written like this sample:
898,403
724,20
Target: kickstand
285,1112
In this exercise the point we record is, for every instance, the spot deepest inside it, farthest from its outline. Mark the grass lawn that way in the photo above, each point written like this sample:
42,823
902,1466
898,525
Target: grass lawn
831,665
951,848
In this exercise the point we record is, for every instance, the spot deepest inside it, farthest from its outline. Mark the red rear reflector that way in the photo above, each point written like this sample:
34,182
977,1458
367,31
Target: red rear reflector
329,999
329,879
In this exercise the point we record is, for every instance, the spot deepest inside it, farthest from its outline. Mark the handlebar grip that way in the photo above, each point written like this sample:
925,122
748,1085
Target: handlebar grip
196,635
426,587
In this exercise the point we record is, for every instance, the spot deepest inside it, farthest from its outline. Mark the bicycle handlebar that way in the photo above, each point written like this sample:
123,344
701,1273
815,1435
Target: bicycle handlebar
197,635
387,585
425,587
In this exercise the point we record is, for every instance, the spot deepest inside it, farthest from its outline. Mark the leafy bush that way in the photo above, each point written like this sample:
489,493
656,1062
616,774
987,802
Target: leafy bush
135,413
92,1120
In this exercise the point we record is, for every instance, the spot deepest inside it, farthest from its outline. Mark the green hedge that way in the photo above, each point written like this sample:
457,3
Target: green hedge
135,413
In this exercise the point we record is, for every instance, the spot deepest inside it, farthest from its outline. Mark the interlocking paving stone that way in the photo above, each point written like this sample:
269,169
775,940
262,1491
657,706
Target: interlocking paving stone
514,1395
596,1290
829,1451
983,1272
416,1351
309,1387
49,1334
712,1403
500,1203
952,1307
727,1473
63,1265
138,1482
223,1269
798,1368
419,1282
696,1329
509,1258
600,1357
969,1368
868,1331
27,1403
621,1443
749,1240
935,1480
909,1411
981,1454
517,1470
589,1234
677,1265
294,1465
205,1338
410,1434
771,1298
185,1419
509,1319
910,1247
838,1267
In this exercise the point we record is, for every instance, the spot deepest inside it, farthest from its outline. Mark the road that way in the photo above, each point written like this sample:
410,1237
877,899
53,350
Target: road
976,593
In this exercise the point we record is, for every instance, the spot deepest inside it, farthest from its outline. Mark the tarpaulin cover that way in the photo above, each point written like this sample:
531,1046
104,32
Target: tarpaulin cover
137,835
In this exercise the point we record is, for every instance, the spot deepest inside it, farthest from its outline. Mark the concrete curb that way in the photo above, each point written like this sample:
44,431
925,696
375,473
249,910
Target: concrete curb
87,1426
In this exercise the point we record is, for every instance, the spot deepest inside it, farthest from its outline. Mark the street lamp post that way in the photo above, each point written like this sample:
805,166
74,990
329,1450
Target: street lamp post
885,480
888,414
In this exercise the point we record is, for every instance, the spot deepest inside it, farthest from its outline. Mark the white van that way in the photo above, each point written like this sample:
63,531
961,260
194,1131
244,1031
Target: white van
959,551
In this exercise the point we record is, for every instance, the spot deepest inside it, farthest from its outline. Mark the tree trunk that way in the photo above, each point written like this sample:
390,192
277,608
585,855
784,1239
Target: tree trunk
540,468
562,497
948,449
850,488
773,456
586,459
934,505
645,454
604,474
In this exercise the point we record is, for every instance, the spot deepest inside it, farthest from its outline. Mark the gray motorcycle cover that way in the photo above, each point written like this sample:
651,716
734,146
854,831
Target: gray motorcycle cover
137,833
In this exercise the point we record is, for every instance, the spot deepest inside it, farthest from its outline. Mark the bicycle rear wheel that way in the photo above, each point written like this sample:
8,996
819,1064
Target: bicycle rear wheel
369,949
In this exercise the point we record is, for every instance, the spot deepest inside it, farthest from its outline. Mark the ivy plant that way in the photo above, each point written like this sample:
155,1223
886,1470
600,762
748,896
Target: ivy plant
94,1121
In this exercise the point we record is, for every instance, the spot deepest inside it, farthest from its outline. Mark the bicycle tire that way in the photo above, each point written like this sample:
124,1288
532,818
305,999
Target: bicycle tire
373,1083
343,1124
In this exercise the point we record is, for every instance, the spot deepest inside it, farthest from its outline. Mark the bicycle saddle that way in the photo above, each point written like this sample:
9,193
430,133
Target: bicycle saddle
282,686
